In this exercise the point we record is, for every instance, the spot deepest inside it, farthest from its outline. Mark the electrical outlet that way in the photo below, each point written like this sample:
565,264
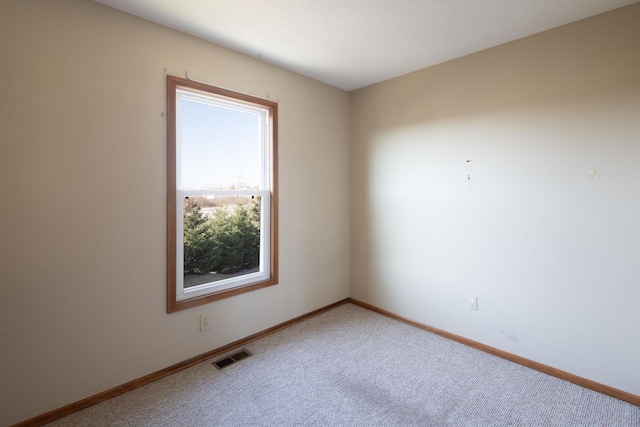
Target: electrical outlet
472,302
204,322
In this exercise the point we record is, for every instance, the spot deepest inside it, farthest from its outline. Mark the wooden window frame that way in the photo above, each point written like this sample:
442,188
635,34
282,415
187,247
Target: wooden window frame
174,84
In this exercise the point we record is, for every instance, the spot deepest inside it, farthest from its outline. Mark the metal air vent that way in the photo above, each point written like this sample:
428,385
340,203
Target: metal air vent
230,360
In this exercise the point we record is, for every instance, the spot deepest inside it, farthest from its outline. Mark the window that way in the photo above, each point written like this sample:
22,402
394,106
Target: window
222,193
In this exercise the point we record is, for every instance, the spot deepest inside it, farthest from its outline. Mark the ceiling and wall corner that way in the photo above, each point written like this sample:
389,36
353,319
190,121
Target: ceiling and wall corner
510,175
356,43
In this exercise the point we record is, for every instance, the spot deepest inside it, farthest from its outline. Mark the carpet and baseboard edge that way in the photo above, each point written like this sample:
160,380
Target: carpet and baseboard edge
583,382
71,408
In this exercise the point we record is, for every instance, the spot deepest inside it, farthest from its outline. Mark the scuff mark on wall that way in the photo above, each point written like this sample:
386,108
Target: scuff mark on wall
511,335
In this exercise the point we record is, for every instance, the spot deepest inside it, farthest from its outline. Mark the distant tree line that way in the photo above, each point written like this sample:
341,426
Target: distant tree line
226,242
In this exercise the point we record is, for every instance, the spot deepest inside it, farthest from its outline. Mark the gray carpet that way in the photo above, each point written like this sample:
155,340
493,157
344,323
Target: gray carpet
353,367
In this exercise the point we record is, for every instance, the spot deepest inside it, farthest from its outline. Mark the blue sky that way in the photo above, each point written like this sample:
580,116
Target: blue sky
220,146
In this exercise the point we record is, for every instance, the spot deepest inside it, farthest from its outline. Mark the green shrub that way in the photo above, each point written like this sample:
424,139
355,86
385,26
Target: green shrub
227,242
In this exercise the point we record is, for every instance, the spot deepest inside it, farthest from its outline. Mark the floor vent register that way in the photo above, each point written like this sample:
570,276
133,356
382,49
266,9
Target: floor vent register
230,360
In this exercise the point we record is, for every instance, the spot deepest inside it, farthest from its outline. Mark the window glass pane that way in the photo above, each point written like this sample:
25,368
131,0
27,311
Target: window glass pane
221,238
219,147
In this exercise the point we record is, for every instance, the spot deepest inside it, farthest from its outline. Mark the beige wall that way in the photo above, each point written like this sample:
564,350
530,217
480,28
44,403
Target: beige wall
473,178
82,222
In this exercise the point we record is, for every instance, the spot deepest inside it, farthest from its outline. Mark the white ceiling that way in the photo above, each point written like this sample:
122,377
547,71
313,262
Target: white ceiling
354,43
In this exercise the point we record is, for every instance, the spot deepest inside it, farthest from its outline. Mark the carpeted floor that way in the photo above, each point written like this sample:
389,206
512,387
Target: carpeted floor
353,367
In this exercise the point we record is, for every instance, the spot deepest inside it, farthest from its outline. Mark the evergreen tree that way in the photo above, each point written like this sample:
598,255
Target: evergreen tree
199,253
228,242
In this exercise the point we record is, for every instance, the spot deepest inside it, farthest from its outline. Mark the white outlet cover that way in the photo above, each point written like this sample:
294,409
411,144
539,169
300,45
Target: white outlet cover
204,322
472,302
